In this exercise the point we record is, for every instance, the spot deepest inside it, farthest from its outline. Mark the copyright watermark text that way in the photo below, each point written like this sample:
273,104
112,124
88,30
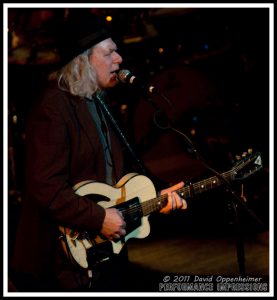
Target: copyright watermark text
195,283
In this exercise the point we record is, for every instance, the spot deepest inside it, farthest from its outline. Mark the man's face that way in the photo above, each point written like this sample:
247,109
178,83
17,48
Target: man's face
106,61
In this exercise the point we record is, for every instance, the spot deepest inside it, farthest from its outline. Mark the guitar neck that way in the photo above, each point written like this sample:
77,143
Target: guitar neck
188,191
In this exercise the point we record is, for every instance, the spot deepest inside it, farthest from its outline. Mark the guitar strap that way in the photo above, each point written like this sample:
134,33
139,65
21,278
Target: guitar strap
100,96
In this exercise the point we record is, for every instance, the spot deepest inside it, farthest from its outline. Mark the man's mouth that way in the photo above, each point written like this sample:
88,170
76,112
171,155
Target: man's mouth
114,74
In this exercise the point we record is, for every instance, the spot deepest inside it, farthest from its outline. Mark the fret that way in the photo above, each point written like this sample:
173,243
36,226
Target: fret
187,191
152,205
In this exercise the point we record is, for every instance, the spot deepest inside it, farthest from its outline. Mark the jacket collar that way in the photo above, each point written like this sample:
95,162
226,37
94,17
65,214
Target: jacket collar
85,120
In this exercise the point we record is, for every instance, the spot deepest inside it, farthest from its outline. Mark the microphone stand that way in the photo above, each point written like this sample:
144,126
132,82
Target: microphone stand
234,204
236,199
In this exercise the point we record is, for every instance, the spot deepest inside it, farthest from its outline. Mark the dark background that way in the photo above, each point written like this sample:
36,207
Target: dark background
214,69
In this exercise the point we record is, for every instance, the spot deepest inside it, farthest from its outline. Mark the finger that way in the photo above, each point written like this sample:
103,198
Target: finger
116,236
175,187
120,213
123,226
167,209
173,202
120,232
178,200
185,205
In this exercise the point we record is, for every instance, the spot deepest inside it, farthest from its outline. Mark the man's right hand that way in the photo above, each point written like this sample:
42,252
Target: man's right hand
113,227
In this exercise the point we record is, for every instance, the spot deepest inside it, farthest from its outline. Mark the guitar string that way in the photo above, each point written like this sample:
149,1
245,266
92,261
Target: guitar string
200,186
155,202
149,205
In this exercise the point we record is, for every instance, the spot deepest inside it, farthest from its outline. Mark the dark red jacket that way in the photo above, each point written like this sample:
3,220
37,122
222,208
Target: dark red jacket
62,149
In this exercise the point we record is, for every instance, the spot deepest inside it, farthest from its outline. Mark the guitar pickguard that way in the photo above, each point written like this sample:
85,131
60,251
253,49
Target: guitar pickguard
132,213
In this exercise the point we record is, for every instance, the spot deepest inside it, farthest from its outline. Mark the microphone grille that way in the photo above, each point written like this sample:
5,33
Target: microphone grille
122,75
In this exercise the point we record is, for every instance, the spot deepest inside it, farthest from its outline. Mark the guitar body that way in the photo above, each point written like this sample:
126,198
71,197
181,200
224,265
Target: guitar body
131,186
128,194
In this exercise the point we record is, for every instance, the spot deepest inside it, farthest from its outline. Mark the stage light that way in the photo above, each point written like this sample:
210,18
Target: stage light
109,18
193,131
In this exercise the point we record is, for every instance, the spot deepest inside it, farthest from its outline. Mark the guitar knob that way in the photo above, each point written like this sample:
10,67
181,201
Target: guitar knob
250,151
238,157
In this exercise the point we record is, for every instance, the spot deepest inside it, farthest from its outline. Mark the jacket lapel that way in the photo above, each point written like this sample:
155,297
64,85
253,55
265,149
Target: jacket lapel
89,127
85,120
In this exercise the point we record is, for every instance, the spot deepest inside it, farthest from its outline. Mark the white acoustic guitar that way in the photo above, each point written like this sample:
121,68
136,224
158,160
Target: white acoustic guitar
135,196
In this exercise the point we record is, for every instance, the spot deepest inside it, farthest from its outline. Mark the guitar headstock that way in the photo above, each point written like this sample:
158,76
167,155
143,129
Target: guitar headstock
248,164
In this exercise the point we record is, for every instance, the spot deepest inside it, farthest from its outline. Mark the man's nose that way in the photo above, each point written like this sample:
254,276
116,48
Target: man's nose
118,59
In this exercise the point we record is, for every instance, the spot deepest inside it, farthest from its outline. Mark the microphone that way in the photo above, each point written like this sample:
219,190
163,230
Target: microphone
126,76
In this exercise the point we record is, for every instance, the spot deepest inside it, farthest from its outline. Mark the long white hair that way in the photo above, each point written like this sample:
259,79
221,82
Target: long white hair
78,76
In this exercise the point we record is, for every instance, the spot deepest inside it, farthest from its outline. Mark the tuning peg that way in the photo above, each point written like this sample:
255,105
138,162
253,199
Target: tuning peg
250,151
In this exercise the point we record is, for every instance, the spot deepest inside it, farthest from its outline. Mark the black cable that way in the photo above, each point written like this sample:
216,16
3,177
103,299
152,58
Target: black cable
120,133
104,129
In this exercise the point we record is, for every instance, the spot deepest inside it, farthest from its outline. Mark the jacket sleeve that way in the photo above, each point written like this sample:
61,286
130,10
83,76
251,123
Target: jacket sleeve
48,172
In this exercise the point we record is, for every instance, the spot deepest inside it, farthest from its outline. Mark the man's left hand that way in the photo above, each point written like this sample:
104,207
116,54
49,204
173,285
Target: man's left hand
174,201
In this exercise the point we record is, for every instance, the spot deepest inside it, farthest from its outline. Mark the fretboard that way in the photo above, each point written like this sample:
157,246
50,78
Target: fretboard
185,192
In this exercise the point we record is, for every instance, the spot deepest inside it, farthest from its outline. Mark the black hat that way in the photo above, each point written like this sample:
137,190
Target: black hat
80,31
